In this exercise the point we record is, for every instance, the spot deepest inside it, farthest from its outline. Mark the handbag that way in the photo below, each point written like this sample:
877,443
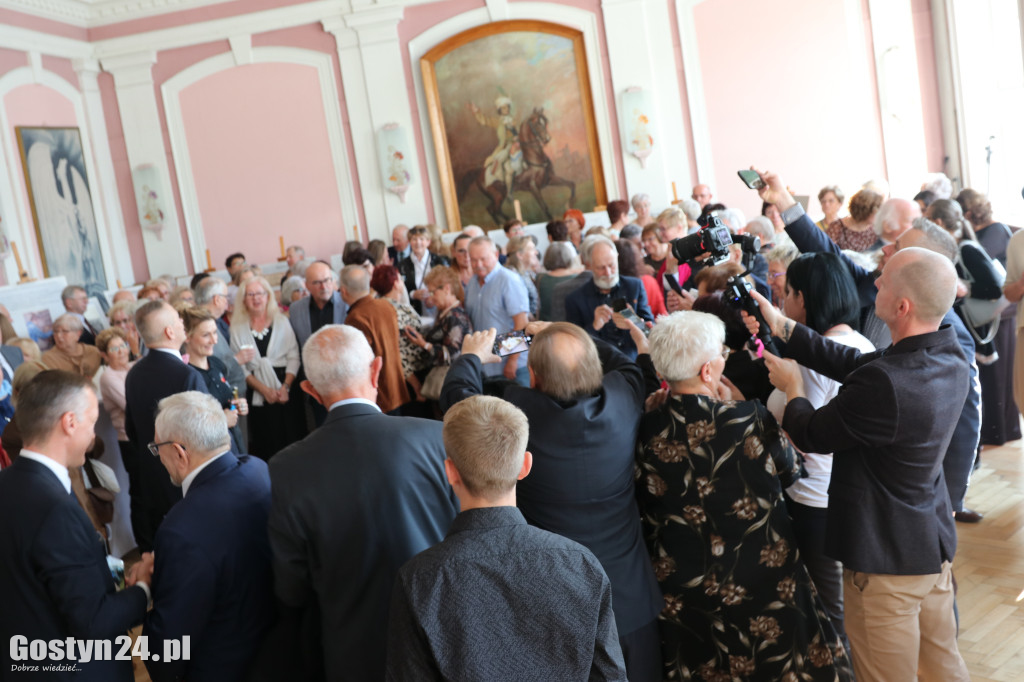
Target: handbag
985,303
434,380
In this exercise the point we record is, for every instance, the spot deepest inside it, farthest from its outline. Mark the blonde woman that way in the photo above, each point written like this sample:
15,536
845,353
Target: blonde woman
257,322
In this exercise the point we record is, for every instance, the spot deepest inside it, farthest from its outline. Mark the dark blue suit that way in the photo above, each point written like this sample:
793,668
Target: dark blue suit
212,578
54,580
959,459
352,502
152,379
581,304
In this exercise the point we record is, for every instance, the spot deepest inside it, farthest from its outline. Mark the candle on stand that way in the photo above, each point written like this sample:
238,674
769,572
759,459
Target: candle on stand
118,283
355,232
675,196
519,211
17,259
209,263
281,239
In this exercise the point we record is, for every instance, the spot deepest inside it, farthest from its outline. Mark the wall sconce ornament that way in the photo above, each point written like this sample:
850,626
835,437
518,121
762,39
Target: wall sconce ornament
636,105
146,180
395,159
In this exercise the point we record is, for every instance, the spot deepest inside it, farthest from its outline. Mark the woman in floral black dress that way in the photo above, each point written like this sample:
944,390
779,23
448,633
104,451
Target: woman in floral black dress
739,604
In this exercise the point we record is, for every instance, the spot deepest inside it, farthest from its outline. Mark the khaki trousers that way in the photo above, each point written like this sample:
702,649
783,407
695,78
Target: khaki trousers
901,627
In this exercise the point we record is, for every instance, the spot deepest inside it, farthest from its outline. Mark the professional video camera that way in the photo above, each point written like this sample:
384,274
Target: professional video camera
715,238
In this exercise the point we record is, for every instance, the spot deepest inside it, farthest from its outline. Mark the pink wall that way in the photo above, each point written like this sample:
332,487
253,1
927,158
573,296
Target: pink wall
13,18
262,165
793,102
37,106
934,144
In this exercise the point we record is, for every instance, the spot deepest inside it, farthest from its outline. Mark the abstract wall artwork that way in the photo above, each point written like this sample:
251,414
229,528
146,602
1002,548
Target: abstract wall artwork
58,190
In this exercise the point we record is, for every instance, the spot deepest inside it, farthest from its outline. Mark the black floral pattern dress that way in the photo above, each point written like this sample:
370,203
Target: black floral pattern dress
739,604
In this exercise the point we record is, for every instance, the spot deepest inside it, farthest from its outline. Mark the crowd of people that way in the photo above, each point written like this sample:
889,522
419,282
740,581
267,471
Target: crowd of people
348,475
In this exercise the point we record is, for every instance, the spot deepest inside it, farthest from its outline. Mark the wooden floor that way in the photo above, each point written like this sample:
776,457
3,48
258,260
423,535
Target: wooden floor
989,568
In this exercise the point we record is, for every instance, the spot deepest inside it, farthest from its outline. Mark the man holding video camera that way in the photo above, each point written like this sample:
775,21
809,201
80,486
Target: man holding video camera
593,305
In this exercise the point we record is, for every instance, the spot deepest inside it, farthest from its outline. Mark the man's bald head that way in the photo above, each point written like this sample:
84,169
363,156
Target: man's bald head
159,325
564,361
925,278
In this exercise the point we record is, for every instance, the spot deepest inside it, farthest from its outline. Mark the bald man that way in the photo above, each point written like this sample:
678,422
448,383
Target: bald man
159,374
895,217
584,406
890,521
702,195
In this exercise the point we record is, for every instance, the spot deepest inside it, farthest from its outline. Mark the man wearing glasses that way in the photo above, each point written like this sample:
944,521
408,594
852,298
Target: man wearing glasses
218,529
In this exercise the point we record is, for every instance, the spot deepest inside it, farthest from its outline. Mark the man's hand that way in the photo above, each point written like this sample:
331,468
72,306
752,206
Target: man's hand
674,302
141,572
511,367
481,344
602,315
784,375
536,327
774,190
778,324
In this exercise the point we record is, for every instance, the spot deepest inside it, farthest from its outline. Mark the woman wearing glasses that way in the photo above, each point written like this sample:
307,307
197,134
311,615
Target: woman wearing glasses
738,601
257,322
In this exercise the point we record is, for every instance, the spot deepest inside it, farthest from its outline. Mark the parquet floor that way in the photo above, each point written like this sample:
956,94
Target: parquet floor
989,569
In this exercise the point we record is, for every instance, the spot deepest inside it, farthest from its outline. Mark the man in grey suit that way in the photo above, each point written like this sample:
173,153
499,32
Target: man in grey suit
563,289
344,517
323,306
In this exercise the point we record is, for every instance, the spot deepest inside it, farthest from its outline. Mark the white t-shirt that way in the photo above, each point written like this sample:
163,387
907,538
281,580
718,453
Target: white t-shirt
813,490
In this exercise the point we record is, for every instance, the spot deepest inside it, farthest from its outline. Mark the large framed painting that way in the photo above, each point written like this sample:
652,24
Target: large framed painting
58,190
512,120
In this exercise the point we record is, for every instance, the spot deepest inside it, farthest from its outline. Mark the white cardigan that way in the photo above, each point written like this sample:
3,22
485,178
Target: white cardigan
282,351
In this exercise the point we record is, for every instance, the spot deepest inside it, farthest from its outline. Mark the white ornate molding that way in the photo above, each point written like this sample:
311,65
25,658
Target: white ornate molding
171,91
92,13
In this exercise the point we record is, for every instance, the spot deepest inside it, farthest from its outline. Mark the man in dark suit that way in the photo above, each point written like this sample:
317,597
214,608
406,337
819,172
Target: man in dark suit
76,302
159,374
213,580
584,409
590,306
323,306
889,517
399,249
54,579
352,502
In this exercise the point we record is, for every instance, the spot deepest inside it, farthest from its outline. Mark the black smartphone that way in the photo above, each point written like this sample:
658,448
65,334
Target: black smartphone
620,306
511,343
673,284
751,178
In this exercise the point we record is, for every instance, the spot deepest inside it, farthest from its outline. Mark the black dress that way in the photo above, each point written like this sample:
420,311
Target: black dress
217,384
739,603
274,427
1000,420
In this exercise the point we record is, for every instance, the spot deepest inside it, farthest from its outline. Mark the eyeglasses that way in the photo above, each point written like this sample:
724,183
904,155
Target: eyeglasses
112,348
726,352
321,282
257,294
773,275
155,447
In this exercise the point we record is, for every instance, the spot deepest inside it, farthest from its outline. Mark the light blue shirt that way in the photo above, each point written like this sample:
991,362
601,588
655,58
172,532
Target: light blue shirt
495,304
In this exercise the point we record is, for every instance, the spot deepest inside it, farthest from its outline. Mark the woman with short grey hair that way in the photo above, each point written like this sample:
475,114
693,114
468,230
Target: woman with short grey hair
711,474
561,263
